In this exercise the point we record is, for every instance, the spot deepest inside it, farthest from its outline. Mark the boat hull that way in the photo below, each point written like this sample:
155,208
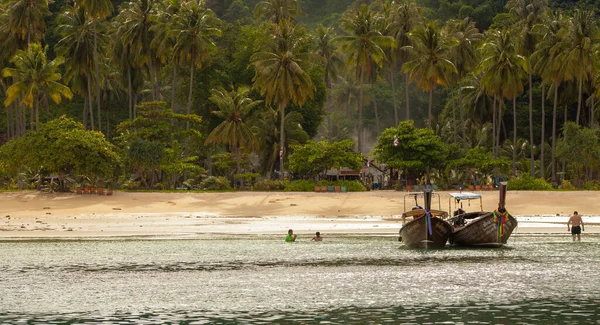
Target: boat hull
414,234
482,231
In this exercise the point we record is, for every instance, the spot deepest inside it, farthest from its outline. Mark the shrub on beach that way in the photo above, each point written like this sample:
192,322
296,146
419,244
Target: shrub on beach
591,186
216,183
567,185
309,186
527,183
270,185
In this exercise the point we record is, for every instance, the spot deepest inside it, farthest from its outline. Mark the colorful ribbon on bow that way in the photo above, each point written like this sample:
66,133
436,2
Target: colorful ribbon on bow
500,219
428,221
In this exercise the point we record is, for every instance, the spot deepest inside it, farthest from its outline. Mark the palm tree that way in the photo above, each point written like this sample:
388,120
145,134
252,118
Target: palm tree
235,108
27,18
136,33
37,79
277,10
405,16
193,29
528,13
364,48
280,74
96,11
503,73
431,64
77,47
464,56
580,38
549,61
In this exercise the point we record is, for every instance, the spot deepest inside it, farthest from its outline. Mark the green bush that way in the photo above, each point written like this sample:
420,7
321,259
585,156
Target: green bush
270,185
300,186
527,183
351,186
216,183
592,186
566,185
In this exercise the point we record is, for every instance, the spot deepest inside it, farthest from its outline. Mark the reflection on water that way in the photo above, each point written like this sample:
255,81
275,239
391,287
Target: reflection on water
264,280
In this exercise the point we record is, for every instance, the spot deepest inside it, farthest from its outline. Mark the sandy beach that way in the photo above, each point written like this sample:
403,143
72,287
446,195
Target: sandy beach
30,214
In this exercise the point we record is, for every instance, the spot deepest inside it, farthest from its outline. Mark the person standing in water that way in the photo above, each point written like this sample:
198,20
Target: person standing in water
317,237
290,236
576,226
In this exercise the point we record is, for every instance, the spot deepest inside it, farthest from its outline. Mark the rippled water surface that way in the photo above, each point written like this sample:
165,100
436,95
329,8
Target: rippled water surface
362,280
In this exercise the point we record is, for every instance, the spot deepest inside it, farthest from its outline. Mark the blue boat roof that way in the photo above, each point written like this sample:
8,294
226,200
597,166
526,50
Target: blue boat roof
465,196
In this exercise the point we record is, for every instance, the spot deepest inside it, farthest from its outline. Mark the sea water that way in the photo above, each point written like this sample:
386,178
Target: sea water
263,280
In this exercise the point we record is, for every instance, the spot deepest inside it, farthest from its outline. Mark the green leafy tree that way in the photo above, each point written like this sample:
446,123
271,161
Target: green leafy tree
580,148
277,10
417,148
61,146
37,79
313,158
27,18
235,109
480,160
281,74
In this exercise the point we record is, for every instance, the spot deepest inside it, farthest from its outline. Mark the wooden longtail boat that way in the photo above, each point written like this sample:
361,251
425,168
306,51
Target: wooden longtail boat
482,228
425,228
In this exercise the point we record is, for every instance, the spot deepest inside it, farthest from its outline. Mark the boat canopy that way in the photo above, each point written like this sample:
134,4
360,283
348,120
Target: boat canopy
465,196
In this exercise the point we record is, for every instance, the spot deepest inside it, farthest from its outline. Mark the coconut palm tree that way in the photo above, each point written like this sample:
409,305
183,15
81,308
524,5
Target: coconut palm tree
77,47
528,14
464,56
136,33
96,11
503,73
404,17
193,29
280,74
277,10
431,65
364,47
37,79
549,59
27,18
581,35
235,108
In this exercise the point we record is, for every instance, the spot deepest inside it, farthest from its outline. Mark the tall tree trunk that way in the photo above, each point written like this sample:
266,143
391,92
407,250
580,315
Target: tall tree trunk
406,96
173,84
97,77
564,122
454,131
8,123
377,122
556,85
499,128
462,115
579,95
429,114
392,81
130,93
281,140
152,77
189,105
90,106
37,113
360,111
494,128
532,158
31,118
85,113
514,153
543,140
592,112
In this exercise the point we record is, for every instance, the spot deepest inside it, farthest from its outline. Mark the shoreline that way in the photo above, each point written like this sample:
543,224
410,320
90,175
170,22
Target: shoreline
31,215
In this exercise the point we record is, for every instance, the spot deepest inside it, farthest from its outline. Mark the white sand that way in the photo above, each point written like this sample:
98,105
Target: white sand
32,214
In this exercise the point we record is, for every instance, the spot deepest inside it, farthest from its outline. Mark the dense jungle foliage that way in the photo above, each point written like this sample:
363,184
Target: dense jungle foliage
163,94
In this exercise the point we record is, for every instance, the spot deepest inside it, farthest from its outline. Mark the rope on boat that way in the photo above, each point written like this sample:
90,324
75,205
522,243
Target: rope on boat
500,219
428,221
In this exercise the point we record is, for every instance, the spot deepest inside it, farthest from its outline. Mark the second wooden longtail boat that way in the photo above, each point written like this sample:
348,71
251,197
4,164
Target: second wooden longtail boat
482,228
423,227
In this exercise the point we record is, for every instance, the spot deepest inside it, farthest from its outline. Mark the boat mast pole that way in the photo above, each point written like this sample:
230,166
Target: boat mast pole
427,206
